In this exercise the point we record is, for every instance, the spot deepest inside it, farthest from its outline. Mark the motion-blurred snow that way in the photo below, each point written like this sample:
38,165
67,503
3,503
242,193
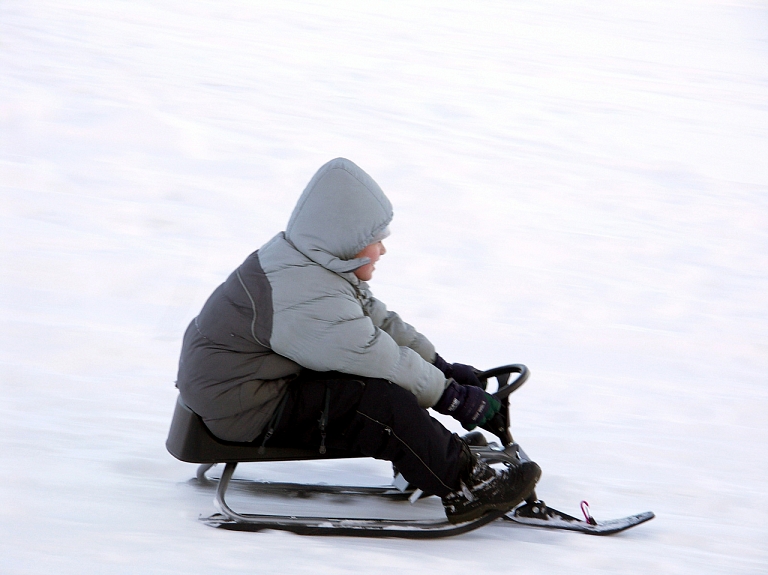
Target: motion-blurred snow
578,186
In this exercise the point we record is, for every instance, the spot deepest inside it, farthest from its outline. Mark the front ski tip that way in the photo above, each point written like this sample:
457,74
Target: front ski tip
538,514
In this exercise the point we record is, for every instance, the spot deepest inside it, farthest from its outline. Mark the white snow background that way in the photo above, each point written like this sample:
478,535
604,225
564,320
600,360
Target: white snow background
580,186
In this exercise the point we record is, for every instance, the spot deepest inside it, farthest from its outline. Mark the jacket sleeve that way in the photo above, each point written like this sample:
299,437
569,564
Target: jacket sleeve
332,333
403,333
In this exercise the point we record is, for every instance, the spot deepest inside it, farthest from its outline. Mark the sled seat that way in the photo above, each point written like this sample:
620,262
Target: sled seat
191,441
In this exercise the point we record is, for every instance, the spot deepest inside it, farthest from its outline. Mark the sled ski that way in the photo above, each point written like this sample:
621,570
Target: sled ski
394,528
190,440
537,514
411,529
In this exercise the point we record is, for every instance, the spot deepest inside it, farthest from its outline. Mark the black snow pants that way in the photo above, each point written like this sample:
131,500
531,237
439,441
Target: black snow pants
373,418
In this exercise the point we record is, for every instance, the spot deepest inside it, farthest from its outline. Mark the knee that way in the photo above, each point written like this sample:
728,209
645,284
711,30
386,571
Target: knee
389,399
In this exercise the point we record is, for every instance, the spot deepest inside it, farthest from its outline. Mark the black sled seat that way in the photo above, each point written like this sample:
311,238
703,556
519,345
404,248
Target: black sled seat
191,441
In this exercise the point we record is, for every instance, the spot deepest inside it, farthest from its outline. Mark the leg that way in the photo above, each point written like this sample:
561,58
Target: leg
375,418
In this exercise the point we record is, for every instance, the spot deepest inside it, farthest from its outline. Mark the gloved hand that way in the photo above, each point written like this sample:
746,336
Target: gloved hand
469,405
462,373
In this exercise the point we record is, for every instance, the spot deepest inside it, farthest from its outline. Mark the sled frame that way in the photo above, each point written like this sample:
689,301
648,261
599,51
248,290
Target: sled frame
191,441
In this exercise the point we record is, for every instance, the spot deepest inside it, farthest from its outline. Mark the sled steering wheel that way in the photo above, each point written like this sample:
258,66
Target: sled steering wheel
499,424
502,373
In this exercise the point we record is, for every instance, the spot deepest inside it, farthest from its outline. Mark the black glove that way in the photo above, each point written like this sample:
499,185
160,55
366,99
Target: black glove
462,373
469,405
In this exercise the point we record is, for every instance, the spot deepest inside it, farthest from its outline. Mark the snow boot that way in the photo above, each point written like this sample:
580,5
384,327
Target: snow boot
485,489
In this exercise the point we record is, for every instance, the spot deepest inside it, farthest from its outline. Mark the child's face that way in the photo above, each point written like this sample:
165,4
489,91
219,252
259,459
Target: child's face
374,252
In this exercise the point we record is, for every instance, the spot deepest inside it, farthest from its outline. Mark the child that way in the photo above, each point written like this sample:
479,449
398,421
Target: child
294,350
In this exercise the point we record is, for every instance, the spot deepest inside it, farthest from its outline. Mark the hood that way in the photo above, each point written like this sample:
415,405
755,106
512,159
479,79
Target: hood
341,211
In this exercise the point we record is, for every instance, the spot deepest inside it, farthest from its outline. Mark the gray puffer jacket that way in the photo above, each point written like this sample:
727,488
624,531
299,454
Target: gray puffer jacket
296,303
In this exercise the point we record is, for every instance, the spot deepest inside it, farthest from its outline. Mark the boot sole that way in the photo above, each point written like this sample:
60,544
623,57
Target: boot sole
480,511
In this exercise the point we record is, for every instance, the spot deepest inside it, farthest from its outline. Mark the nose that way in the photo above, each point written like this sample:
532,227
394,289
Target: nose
383,249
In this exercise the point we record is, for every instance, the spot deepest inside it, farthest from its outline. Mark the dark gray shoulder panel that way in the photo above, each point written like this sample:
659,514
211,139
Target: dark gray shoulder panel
258,291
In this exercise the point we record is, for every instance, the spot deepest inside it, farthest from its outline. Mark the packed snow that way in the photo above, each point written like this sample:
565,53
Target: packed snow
579,186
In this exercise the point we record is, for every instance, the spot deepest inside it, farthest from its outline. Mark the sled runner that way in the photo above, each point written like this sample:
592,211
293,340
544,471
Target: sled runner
190,440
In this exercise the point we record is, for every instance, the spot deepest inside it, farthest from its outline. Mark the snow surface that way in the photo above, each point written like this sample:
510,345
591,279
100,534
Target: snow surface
578,186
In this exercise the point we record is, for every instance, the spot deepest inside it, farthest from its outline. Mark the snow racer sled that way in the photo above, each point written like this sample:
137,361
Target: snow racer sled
190,440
